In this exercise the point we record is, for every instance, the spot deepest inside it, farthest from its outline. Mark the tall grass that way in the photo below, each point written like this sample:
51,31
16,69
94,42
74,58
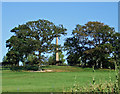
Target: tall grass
106,87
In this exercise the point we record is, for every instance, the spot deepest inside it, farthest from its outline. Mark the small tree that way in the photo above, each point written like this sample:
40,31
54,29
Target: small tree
52,59
32,59
61,57
5,61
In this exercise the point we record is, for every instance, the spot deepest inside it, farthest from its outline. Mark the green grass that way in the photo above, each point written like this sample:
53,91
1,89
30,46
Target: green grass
61,78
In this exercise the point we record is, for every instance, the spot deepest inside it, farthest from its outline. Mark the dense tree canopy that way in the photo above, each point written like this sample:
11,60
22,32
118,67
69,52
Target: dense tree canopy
34,37
93,43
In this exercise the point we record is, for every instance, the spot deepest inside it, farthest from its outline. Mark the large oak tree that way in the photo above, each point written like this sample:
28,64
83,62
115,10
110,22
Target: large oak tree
34,37
91,43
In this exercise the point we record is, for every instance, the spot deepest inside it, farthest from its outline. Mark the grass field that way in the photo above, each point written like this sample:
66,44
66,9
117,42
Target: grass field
60,79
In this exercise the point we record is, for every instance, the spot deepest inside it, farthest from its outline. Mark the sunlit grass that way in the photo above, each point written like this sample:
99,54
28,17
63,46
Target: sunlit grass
52,81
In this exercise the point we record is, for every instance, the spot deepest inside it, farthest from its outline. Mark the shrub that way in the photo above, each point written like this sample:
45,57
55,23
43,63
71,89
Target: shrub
34,68
19,68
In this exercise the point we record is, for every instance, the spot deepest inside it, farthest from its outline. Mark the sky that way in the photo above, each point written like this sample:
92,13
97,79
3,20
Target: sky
67,13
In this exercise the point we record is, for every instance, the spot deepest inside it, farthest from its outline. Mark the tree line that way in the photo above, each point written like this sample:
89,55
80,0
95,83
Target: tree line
91,44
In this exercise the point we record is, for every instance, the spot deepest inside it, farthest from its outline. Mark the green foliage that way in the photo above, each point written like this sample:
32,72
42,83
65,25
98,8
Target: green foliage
97,88
13,57
34,68
32,37
96,43
20,68
32,59
61,57
17,68
52,59
5,59
93,43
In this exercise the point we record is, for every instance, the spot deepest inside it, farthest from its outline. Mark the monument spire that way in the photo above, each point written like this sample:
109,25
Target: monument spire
57,56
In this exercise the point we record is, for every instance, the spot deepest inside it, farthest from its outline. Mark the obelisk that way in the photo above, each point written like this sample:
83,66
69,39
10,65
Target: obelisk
57,56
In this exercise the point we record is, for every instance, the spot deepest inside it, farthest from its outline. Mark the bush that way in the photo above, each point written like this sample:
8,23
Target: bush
18,68
62,64
6,67
34,68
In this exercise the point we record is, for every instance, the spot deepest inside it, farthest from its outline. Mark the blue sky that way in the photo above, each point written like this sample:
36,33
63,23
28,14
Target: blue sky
68,14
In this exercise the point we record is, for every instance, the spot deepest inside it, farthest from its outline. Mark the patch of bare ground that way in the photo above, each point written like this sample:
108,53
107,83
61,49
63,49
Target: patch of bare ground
42,71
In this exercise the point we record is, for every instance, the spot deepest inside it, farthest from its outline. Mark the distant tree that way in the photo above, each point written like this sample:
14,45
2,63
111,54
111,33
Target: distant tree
52,59
61,57
34,37
31,59
4,61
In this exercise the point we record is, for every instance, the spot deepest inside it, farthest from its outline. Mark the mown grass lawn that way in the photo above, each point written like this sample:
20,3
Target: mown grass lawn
60,79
